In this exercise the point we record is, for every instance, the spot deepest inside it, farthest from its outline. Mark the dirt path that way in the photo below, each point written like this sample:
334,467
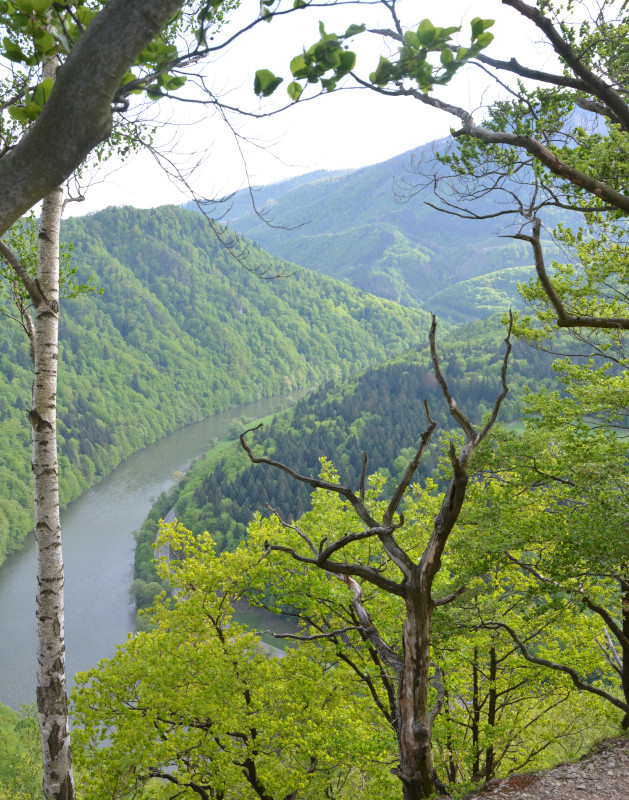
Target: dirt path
603,775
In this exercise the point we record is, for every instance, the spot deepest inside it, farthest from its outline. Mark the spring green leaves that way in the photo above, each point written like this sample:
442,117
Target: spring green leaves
427,57
36,29
265,83
414,62
326,62
33,103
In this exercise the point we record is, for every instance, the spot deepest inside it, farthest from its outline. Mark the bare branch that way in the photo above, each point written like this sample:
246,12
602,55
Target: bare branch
613,650
386,653
516,68
442,601
313,637
316,483
572,673
455,411
295,528
503,376
359,570
410,470
363,474
34,292
564,318
384,532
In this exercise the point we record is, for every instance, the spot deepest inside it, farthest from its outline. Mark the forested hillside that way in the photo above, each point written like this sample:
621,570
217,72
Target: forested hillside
362,226
180,331
380,412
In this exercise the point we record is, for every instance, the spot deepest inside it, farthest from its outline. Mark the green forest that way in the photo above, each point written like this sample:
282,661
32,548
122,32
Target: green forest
180,331
414,582
379,412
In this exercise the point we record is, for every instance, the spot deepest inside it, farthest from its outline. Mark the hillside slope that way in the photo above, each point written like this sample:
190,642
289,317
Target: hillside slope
181,331
352,226
380,412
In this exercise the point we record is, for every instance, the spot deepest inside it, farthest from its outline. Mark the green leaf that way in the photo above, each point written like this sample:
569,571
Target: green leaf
347,62
171,82
12,51
447,57
42,91
383,72
41,6
18,113
294,91
354,30
265,83
153,92
479,25
24,5
44,41
299,4
426,32
484,39
85,15
411,39
299,66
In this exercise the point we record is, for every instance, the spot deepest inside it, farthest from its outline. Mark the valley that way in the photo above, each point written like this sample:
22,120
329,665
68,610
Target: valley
186,330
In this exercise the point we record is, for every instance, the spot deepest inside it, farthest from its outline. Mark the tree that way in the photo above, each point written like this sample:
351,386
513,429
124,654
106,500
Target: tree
413,671
558,144
573,162
555,498
197,707
39,36
78,114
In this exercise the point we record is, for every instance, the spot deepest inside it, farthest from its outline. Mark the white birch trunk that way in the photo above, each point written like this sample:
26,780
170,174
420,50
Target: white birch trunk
52,704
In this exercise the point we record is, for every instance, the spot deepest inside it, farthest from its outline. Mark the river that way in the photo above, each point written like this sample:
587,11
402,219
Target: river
98,552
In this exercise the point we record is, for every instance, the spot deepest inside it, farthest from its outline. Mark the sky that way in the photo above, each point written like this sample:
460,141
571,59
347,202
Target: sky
346,129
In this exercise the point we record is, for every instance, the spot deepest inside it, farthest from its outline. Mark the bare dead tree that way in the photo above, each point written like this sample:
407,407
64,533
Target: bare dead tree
413,668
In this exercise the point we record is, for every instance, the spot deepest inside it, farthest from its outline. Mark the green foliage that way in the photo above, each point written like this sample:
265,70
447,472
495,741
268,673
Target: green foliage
413,57
38,29
180,332
22,240
188,676
329,60
379,412
197,701
20,755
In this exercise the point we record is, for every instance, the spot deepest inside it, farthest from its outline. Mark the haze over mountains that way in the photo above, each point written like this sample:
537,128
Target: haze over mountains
361,226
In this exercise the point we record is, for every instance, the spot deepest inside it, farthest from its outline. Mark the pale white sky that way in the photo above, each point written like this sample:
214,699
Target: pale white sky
340,130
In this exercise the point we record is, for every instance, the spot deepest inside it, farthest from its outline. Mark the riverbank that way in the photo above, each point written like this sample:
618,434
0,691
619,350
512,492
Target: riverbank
98,552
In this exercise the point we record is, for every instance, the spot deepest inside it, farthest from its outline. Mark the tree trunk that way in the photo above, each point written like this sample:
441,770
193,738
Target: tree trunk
490,765
415,727
625,655
52,704
476,704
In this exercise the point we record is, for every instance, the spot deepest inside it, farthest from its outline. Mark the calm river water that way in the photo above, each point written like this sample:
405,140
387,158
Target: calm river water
98,553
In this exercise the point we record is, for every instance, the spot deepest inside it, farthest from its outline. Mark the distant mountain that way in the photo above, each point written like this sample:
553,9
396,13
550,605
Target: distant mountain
481,296
352,226
181,331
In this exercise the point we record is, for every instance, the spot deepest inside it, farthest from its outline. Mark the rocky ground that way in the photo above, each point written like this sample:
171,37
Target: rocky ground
602,775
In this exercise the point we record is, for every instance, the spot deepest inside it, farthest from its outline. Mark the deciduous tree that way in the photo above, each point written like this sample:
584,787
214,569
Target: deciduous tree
413,579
